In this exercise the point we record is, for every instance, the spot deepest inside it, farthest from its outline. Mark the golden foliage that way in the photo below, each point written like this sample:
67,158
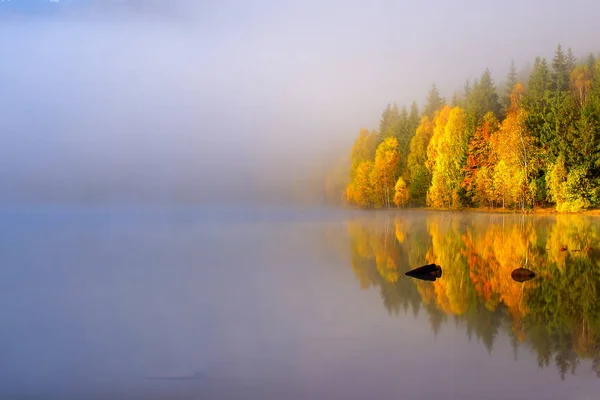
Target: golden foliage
385,172
450,152
401,196
513,145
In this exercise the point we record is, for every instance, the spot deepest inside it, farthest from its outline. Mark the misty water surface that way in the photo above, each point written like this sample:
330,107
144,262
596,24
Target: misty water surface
268,304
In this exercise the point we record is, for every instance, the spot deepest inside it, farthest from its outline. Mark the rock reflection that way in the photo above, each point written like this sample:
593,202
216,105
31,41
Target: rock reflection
484,260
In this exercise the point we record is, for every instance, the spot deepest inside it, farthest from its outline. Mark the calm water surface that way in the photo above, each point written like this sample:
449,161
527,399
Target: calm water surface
296,304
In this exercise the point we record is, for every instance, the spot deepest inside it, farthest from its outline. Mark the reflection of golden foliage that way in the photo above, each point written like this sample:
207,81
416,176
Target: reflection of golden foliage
482,265
477,256
386,267
427,291
399,230
510,250
361,274
371,244
361,252
506,248
569,237
453,290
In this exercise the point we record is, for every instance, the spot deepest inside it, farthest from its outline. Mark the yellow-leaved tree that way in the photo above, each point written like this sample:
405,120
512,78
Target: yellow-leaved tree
434,196
401,197
358,191
439,122
448,172
418,174
513,144
385,172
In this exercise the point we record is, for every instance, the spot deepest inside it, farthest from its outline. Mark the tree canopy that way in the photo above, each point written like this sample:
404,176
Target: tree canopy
536,143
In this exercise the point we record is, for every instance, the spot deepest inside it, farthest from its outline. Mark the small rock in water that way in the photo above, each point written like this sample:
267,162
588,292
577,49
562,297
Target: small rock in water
522,275
429,272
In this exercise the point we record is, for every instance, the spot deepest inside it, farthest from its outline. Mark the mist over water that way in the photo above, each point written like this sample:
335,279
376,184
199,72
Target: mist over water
129,304
153,154
207,101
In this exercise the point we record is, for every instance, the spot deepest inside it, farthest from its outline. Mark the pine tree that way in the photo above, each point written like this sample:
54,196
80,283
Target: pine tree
456,101
388,122
571,60
481,99
537,103
560,71
403,132
414,119
434,102
511,81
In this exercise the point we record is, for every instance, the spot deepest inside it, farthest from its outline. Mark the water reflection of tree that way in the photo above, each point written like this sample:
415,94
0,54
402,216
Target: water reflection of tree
556,314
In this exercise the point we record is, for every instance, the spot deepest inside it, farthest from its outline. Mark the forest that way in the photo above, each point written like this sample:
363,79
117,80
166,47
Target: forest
532,144
556,314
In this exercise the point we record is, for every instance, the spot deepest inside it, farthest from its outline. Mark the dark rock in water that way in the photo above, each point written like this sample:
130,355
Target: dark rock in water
522,275
428,272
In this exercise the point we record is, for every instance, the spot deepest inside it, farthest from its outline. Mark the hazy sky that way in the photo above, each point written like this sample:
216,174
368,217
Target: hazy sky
152,97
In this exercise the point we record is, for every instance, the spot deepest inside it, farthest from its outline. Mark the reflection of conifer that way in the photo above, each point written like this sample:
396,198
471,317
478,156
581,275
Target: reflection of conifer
416,304
469,332
514,343
596,365
391,298
436,318
485,324
566,360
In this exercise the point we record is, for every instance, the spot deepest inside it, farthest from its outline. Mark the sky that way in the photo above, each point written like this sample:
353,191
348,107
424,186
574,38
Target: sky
181,99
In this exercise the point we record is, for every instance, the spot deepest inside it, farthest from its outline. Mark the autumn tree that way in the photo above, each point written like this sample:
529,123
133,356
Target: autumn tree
360,191
419,176
512,149
480,162
568,190
514,145
401,195
447,173
556,179
385,172
362,153
439,124
363,149
581,84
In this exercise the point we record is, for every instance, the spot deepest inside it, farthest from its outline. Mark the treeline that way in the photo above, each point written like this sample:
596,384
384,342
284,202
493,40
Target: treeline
536,143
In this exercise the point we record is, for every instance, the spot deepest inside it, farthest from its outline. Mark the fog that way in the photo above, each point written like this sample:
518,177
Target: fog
144,101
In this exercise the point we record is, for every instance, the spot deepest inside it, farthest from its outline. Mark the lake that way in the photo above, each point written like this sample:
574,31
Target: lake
262,303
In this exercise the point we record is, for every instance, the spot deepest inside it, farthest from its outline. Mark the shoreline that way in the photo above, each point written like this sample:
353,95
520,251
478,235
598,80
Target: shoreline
534,211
